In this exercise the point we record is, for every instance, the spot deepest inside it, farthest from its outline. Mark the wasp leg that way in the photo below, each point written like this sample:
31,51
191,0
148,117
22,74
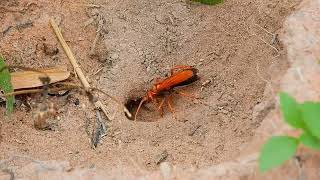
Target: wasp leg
169,101
180,67
192,96
160,107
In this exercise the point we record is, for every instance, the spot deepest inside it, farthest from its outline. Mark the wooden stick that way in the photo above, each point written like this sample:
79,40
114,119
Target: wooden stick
70,55
75,65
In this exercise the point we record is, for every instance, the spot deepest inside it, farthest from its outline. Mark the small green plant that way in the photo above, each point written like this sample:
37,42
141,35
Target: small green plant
5,85
209,2
305,116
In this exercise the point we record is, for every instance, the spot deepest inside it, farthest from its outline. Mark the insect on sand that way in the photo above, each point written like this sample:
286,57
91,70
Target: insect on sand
162,89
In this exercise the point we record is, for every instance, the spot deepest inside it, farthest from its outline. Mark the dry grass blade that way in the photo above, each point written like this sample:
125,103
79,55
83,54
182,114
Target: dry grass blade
78,70
74,63
70,55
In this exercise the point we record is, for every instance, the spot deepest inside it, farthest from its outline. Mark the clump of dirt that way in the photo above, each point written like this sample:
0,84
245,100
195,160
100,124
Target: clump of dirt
122,47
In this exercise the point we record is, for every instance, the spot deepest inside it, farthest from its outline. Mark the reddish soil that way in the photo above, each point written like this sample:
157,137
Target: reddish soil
138,41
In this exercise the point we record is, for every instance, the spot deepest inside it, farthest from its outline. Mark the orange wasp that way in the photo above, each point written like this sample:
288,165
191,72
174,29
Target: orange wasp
180,76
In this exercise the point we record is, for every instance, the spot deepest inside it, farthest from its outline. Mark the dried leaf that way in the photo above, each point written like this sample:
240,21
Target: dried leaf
32,79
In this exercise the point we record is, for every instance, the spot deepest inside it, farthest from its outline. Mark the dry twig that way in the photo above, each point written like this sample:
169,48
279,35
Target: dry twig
274,39
77,68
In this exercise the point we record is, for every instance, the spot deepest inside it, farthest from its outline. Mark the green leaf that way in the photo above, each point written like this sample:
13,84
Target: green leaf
277,150
6,86
209,2
310,141
311,117
290,110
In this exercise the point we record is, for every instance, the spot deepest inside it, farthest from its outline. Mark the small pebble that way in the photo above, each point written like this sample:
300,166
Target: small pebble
148,69
161,157
205,83
114,56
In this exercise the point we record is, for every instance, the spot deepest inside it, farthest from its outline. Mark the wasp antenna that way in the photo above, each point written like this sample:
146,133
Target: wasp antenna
140,104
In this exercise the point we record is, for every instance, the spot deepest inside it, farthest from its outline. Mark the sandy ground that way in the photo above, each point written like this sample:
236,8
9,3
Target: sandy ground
138,41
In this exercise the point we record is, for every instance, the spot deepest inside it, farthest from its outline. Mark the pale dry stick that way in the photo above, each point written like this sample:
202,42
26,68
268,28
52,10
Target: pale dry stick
99,70
278,53
95,41
265,30
274,36
70,55
93,47
254,34
75,65
298,69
